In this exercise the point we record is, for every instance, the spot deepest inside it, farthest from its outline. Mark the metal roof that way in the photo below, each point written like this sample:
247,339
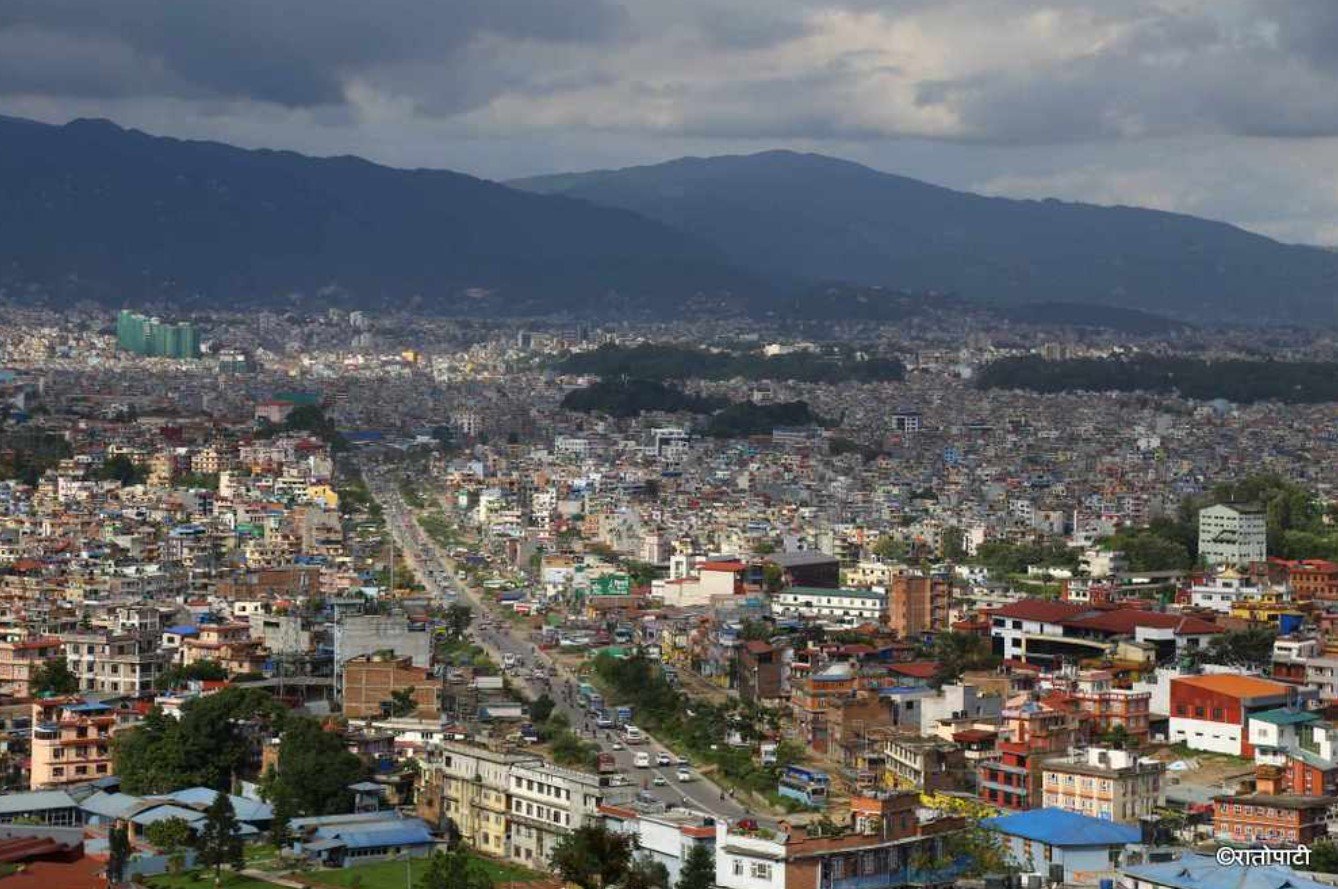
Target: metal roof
1058,827
1202,872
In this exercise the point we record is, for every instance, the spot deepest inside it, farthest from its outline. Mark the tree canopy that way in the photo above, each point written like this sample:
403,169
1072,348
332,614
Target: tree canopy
592,856
53,677
314,771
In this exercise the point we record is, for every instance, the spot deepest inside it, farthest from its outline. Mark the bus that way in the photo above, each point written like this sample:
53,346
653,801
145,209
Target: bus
633,735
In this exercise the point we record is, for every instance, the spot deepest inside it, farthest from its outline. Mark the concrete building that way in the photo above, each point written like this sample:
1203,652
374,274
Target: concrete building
918,604
548,802
1087,849
467,787
1114,785
1213,712
1233,534
839,607
1271,819
71,742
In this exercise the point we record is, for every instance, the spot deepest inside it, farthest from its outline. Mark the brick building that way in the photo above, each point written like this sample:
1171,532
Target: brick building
1271,820
917,604
370,680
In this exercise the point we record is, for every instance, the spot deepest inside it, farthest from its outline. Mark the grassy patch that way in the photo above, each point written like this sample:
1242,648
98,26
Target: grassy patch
391,874
199,879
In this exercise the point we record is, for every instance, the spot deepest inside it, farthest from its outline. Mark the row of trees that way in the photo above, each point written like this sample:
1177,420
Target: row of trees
215,740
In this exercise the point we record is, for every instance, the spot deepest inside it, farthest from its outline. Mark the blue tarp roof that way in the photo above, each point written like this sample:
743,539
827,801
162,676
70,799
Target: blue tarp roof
184,630
1058,827
402,832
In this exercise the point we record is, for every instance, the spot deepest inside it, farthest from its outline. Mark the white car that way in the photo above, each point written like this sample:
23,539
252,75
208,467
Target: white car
659,781
642,761
664,760
684,775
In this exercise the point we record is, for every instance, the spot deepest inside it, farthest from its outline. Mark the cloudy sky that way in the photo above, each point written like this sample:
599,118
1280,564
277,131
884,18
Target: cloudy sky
1224,108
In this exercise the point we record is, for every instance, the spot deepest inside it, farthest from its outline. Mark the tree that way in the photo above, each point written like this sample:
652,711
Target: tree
53,677
954,544
169,835
1252,647
698,871
200,671
456,869
280,829
1117,737
401,702
592,857
458,618
120,468
541,709
955,653
1324,857
890,549
314,770
646,873
221,837
118,852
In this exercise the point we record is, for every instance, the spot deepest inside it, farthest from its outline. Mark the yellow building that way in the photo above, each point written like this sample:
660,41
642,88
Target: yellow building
467,786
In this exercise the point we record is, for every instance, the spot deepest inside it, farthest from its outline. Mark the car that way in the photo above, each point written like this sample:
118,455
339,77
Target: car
659,781
663,760
642,760
683,762
618,745
684,775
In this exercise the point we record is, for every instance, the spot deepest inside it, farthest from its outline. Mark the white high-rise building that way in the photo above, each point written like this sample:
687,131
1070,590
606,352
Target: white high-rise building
1233,534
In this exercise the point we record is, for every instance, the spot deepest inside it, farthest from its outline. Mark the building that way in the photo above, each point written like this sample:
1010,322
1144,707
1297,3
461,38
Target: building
19,659
466,788
548,802
370,681
1271,819
878,847
808,568
1201,871
1111,709
918,604
839,607
151,337
665,837
761,672
1087,849
1113,785
928,764
1213,712
71,742
1034,732
1233,534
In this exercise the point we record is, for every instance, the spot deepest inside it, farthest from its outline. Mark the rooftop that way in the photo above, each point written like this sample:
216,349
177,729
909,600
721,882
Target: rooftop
1236,686
1057,827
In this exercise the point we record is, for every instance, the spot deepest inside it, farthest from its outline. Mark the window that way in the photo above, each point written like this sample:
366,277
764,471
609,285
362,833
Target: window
761,871
738,868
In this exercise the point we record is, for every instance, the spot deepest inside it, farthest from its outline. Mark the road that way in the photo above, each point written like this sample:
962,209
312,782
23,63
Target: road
435,570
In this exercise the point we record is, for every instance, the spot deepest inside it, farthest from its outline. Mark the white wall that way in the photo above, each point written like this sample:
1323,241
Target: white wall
1202,734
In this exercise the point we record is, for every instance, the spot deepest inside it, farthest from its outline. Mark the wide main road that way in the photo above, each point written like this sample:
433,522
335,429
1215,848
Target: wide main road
435,570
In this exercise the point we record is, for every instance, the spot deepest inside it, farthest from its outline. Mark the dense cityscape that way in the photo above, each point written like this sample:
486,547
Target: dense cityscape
353,599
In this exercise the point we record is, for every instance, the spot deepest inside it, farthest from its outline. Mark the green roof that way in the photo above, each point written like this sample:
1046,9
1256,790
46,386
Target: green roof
1285,716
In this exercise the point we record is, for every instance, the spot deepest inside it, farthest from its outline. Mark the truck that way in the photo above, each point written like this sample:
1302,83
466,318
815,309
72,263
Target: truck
623,715
605,763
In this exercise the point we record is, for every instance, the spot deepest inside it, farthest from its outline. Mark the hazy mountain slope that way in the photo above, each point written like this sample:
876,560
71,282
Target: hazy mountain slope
93,210
822,219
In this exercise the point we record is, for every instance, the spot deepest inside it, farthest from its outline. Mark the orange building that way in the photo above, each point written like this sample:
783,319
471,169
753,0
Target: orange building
71,741
1272,820
918,604
18,660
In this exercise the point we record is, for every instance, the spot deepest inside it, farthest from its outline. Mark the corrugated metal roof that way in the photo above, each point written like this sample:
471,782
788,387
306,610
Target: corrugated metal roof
1200,871
1058,827
35,801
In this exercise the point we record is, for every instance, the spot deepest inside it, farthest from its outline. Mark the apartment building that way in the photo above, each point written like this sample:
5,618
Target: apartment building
114,664
466,787
929,764
546,803
19,659
1233,534
1212,712
1114,785
1271,819
71,741
1109,708
839,607
918,604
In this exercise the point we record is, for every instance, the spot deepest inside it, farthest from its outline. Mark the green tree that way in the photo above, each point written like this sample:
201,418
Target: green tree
118,852
401,702
53,677
541,708
890,549
1324,857
314,770
1251,647
221,838
698,871
122,469
955,653
592,857
458,618
200,671
169,835
456,869
646,873
280,827
954,544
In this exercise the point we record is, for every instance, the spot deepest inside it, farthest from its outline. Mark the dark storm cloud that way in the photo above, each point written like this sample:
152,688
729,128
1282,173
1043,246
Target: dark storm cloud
291,53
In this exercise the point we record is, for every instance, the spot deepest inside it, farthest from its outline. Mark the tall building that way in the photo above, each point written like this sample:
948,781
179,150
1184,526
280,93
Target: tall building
1114,785
1233,534
71,741
152,337
918,604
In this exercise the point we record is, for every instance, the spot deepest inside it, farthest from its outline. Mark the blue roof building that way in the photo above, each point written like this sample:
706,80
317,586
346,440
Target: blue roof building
1203,872
344,840
1089,849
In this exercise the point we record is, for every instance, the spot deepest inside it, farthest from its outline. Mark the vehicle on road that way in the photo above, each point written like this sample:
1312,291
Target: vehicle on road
664,759
618,745
605,763
684,775
603,721
683,762
633,735
642,761
508,661
659,781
